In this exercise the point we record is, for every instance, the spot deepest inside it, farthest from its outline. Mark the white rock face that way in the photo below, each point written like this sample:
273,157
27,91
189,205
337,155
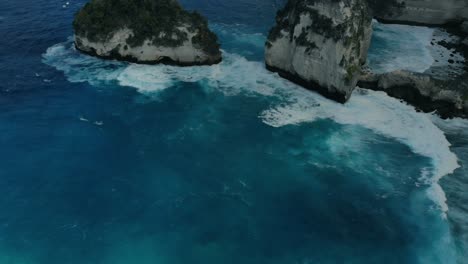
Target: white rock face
116,47
432,12
321,45
422,91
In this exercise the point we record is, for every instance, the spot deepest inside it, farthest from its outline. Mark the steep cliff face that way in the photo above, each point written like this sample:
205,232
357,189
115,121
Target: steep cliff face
449,98
158,31
431,12
321,44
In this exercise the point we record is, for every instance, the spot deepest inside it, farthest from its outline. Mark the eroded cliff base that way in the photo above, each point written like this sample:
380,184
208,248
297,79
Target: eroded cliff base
147,32
310,85
115,55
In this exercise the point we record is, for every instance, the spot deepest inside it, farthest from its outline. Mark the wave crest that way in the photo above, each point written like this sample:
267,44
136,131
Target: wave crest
295,105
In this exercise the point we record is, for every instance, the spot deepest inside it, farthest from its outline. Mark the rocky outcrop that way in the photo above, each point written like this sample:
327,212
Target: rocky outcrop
429,12
464,27
321,44
447,98
149,32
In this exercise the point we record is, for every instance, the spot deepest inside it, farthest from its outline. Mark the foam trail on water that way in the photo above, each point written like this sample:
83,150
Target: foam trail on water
382,114
295,105
233,75
144,78
81,68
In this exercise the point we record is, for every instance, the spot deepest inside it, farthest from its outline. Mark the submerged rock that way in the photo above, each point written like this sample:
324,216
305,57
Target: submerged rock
321,44
156,31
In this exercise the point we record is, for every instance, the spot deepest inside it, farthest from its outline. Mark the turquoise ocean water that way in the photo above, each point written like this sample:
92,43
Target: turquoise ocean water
105,162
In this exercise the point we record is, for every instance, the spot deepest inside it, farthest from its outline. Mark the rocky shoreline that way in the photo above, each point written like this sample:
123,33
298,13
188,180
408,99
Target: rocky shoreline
310,85
184,55
299,51
166,61
447,96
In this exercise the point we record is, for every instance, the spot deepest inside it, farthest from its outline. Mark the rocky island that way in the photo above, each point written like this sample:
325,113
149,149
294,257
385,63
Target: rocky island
144,31
321,44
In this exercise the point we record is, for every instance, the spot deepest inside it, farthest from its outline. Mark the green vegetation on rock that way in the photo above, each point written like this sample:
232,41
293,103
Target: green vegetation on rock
157,20
289,17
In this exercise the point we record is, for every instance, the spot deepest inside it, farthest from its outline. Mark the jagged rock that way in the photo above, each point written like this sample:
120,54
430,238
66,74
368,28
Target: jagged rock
158,31
321,44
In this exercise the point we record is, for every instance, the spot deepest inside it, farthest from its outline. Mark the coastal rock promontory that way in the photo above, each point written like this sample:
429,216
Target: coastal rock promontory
321,44
449,98
145,31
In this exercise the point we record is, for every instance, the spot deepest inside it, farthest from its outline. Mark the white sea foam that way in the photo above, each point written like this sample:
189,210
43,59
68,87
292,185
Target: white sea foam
376,111
401,47
232,76
383,115
81,68
237,75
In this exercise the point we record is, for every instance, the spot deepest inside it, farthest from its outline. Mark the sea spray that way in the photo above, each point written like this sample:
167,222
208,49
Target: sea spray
237,75
384,115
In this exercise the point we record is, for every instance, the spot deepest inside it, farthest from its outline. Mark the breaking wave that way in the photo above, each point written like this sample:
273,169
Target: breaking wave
292,104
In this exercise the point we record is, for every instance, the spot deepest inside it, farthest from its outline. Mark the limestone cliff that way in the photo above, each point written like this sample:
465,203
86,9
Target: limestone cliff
449,98
142,31
429,12
321,44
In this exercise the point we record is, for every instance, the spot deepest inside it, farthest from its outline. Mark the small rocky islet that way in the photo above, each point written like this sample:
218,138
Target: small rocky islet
145,31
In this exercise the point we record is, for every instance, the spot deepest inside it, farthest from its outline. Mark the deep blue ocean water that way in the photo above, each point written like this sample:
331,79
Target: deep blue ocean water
112,163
